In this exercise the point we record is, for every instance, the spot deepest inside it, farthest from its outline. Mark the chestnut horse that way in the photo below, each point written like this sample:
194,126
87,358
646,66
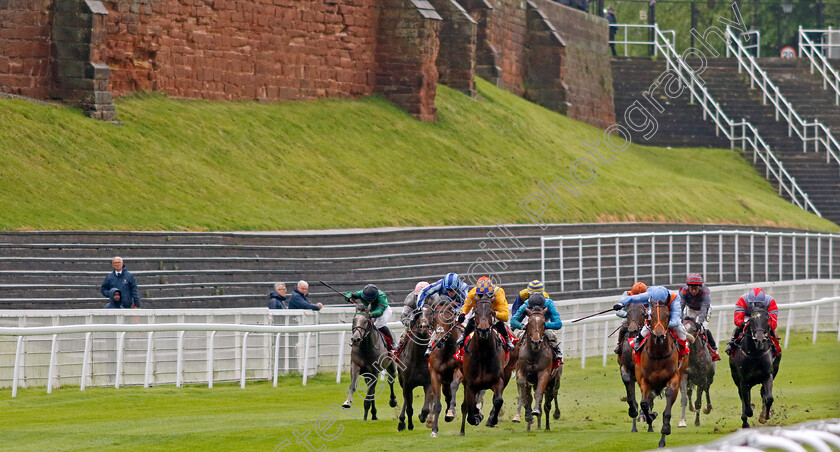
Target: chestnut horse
535,368
660,367
444,368
483,368
636,314
413,367
752,363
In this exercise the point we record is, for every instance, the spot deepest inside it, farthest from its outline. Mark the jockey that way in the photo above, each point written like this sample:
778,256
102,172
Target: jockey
754,296
451,285
534,286
552,320
486,290
377,302
698,305
637,288
410,310
654,294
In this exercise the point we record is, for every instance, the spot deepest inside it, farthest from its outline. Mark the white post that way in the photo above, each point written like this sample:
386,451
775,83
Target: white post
306,357
210,343
720,257
737,270
766,257
599,263
807,246
819,257
687,253
617,264
705,275
752,257
793,254
179,361
719,326
635,258
583,348
781,257
85,361
606,333
787,327
341,355
147,381
16,375
244,359
816,322
652,261
830,257
562,279
670,259
580,263
542,259
120,353
276,358
51,371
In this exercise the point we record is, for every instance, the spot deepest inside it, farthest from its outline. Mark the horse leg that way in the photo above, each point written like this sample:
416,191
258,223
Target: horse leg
370,399
697,404
516,417
406,400
552,394
646,404
424,412
434,402
539,390
766,399
408,406
450,402
391,369
670,397
630,386
354,377
746,408
467,408
708,408
684,399
498,390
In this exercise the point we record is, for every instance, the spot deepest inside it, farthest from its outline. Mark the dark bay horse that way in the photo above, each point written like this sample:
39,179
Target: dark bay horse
752,363
413,368
535,368
483,367
444,368
368,356
660,367
699,374
636,314
510,366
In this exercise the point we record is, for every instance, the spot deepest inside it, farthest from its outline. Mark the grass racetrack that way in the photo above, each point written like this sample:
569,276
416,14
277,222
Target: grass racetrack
261,417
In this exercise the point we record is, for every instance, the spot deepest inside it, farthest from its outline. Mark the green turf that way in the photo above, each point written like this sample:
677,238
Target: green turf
335,163
261,417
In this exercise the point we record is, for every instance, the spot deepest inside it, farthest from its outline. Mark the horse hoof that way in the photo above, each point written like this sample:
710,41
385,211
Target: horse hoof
422,417
762,419
345,405
557,415
450,416
479,405
666,429
430,422
683,424
516,418
392,403
535,412
435,435
707,410
697,422
401,426
374,418
411,426
632,412
662,443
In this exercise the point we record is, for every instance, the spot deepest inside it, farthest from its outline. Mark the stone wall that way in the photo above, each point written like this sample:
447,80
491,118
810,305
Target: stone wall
25,47
456,57
588,74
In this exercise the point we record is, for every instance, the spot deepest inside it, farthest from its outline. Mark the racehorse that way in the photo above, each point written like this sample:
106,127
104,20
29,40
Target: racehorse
368,357
483,367
699,374
636,314
510,366
535,367
444,368
752,362
413,368
660,367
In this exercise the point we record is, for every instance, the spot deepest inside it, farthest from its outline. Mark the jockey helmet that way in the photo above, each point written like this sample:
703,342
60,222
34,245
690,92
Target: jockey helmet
694,279
756,296
485,287
370,292
420,286
536,300
638,288
535,286
451,281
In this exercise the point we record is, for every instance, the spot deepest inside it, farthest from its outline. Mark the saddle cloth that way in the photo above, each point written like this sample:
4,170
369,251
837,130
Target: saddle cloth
683,346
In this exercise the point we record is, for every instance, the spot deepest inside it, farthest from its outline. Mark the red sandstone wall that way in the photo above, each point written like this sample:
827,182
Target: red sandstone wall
243,49
507,33
25,47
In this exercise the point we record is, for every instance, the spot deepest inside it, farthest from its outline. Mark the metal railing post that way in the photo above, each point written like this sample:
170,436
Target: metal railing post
179,364
16,374
210,358
787,327
306,358
51,370
580,263
340,356
583,348
542,259
85,362
562,279
599,262
816,323
606,337
120,353
244,365
147,381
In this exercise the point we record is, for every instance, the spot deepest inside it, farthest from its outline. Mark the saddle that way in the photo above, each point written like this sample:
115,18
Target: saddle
459,354
683,346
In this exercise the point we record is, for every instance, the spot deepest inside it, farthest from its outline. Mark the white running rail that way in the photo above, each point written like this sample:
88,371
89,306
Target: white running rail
807,131
808,48
644,40
748,133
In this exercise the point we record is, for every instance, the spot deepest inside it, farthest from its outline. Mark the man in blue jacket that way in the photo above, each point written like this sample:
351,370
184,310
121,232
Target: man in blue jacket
123,280
552,319
277,299
114,300
300,298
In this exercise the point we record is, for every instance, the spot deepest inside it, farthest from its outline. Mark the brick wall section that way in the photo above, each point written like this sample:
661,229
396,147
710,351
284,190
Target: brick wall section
588,73
506,33
405,55
25,47
78,76
545,58
456,58
486,55
242,49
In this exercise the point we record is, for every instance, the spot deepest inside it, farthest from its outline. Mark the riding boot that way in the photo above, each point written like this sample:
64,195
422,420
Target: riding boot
732,342
500,327
389,335
467,331
429,348
558,354
638,344
712,345
621,333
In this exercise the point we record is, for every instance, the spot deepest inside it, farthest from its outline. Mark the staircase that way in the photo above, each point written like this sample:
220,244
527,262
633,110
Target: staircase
804,90
680,124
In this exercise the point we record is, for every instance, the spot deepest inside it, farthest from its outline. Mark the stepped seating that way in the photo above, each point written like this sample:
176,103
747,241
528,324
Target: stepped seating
65,270
680,125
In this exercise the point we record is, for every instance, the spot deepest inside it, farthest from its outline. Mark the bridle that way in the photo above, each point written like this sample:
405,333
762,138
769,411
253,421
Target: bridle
529,326
657,305
366,327
478,303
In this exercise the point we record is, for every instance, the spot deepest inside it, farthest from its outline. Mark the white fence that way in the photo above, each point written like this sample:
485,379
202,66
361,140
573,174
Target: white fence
616,261
94,348
823,436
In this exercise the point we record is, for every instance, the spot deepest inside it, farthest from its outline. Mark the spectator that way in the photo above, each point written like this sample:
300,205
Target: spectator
277,299
613,28
300,299
114,299
123,280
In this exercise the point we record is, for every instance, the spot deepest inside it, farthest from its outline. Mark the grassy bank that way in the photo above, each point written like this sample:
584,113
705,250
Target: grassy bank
199,165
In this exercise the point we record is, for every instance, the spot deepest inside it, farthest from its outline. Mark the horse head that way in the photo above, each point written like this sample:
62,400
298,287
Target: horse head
660,313
422,322
535,329
757,327
691,326
484,317
444,316
636,314
361,326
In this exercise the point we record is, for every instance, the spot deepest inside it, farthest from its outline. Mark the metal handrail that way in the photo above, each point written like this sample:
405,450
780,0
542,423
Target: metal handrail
626,28
784,108
710,107
820,62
